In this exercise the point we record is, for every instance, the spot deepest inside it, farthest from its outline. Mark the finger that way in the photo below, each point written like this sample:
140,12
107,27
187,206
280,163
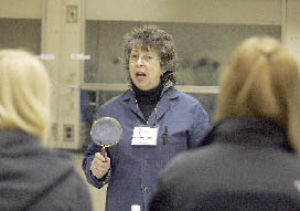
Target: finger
93,170
99,165
99,173
107,160
100,157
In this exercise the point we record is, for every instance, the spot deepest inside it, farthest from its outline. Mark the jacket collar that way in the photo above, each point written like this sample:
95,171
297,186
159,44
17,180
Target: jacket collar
162,106
166,85
248,131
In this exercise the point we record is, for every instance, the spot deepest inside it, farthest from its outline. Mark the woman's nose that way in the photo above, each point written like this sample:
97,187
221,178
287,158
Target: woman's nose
140,60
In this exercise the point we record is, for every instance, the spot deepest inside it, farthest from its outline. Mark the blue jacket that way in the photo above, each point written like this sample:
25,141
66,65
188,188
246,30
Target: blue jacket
134,168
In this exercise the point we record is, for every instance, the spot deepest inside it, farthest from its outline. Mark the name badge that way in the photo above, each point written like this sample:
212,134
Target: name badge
144,136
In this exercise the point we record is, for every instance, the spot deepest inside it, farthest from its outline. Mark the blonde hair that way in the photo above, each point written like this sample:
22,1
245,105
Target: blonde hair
262,81
24,93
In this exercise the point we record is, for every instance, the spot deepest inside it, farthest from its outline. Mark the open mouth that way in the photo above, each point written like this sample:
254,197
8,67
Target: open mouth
140,76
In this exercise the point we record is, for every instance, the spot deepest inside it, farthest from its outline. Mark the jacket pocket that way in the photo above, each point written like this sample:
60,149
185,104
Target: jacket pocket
177,142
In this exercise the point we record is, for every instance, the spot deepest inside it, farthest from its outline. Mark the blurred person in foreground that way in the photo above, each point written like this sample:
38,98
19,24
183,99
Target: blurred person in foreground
31,176
168,120
249,161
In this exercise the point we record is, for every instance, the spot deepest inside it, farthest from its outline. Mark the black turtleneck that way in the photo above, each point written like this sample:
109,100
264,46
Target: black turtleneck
147,100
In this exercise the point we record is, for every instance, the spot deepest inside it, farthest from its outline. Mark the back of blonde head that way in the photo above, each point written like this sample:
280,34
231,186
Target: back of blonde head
24,93
262,81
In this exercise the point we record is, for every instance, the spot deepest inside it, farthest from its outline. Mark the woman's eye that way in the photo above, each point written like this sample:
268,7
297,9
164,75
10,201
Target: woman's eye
134,56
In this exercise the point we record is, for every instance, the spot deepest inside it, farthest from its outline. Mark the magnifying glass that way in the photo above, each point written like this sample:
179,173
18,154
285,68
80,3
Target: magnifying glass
106,132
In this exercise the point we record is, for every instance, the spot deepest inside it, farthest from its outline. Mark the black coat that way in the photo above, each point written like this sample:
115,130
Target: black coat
34,178
246,164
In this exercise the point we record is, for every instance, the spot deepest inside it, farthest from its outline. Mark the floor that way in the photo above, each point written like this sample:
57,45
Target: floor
98,195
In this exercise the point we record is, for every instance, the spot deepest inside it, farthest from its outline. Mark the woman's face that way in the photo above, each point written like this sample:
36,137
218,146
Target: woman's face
144,68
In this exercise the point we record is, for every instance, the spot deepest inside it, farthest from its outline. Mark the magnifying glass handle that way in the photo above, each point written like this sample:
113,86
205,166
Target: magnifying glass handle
103,152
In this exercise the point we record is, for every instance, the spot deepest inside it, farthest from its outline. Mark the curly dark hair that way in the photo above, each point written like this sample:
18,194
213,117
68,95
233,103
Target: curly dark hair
150,36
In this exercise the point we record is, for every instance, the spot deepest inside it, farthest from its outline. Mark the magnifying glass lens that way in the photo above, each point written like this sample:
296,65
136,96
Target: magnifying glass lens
106,131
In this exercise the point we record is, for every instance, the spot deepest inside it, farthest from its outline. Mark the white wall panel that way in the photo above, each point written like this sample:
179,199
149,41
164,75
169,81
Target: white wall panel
265,12
292,27
28,9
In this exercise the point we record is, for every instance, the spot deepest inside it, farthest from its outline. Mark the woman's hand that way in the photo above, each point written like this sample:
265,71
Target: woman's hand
100,165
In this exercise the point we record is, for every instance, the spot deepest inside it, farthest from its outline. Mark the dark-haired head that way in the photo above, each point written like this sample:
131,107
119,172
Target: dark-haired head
150,37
